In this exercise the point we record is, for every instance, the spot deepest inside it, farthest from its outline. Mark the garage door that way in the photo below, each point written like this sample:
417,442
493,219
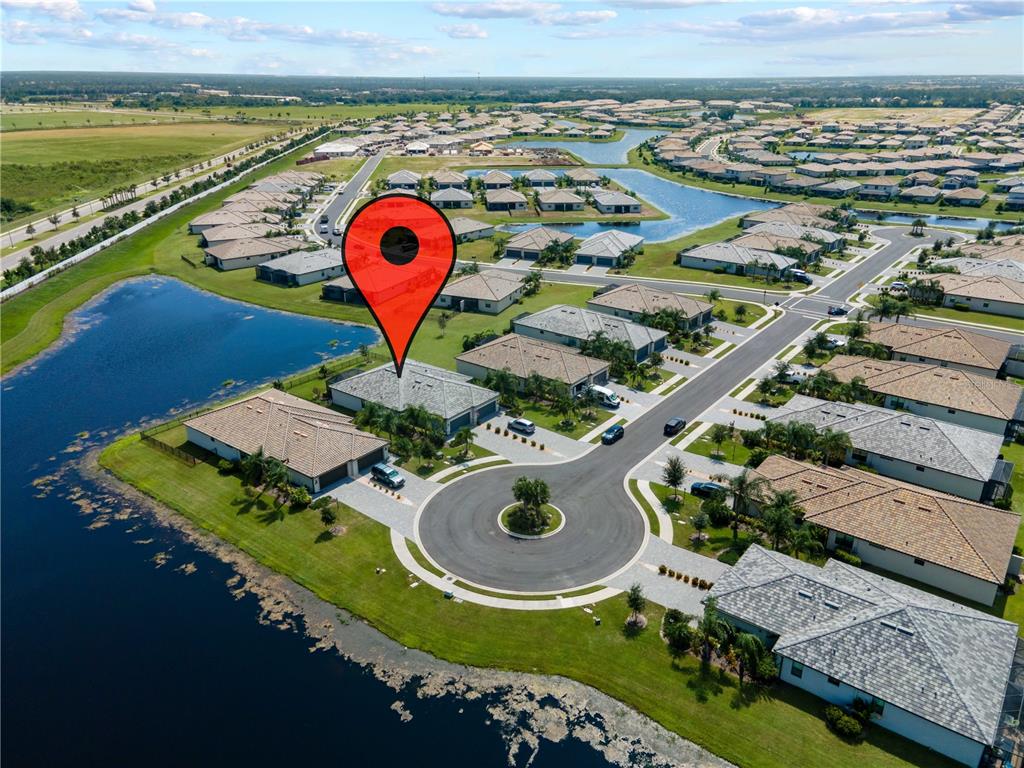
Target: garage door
367,461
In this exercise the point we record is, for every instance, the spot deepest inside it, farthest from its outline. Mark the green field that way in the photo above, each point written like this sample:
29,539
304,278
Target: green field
781,727
331,112
52,169
33,119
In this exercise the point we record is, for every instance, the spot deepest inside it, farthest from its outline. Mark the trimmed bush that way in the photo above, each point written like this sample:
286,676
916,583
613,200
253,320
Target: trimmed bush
846,557
671,573
842,724
662,569
225,466
686,578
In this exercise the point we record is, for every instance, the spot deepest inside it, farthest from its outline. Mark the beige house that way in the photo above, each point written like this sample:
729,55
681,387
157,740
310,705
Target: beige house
634,301
237,254
993,294
945,347
523,356
559,200
491,292
317,445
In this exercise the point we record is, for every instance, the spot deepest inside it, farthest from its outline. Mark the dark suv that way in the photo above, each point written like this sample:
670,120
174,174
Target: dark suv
674,426
386,475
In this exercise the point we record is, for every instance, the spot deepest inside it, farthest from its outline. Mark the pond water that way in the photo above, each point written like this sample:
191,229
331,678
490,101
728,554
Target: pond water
688,208
934,220
597,152
111,659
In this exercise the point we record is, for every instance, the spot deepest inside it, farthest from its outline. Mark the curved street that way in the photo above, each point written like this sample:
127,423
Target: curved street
457,527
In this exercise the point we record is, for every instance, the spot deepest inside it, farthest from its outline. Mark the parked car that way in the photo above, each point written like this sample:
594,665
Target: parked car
674,426
324,229
323,218
522,426
838,311
605,396
898,286
387,475
800,276
613,434
706,490
336,232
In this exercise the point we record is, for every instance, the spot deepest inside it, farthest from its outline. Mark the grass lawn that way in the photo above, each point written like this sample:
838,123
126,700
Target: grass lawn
706,345
40,119
783,727
50,169
780,397
732,451
683,531
658,377
452,455
750,314
542,417
554,518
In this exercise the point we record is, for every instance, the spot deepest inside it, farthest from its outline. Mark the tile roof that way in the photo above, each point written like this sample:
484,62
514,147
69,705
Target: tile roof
256,246
451,194
633,297
522,356
308,438
490,284
441,392
768,241
1004,247
227,232
961,535
988,287
611,243
729,253
504,196
796,231
948,387
582,324
462,225
917,440
304,262
939,660
950,344
614,197
1012,269
536,238
559,196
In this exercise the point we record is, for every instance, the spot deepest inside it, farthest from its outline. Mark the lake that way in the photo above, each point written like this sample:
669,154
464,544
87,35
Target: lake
111,657
597,152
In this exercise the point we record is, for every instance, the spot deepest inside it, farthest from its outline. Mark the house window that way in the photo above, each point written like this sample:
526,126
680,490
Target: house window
877,706
918,561
796,669
833,680
950,410
919,468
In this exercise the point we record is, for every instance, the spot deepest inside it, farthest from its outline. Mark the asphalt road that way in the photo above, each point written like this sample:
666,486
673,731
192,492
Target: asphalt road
353,189
603,529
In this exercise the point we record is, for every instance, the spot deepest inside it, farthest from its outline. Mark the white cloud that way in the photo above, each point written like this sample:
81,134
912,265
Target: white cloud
65,10
577,18
657,5
146,6
500,9
465,32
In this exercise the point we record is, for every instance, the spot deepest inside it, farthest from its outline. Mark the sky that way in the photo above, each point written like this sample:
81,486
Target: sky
626,38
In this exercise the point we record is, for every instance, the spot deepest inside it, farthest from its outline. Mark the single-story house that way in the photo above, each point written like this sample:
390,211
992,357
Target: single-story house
408,180
530,243
965,196
417,148
571,326
613,201
964,177
880,188
584,177
735,259
451,197
467,229
952,544
1015,198
798,185
523,357
940,455
505,200
920,194
497,180
228,232
317,445
961,397
767,241
449,179
341,289
237,254
635,301
789,214
838,188
829,240
539,177
559,200
608,248
445,394
226,217
490,291
302,267
1011,269
932,670
1005,185
992,294
945,347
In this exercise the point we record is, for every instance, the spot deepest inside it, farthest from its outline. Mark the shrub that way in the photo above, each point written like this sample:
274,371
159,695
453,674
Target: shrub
322,502
846,557
225,466
766,670
523,439
686,578
678,575
299,496
757,457
676,628
842,724
662,569
505,433
671,573
542,446
533,443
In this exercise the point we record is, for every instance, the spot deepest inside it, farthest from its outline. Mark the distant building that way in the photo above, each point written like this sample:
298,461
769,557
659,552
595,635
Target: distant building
302,267
635,301
572,326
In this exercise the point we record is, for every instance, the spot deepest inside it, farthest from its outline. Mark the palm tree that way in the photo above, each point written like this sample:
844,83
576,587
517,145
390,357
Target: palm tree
370,416
747,489
833,445
674,475
765,388
778,516
390,421
711,629
536,386
464,437
253,467
857,330
803,541
718,434
749,650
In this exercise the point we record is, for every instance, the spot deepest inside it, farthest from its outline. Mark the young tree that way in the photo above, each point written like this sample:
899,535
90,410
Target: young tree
442,322
749,650
710,630
718,434
328,516
746,489
637,603
674,475
54,219
30,230
765,388
464,437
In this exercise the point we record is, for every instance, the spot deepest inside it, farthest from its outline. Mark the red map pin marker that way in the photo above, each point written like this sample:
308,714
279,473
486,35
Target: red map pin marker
399,251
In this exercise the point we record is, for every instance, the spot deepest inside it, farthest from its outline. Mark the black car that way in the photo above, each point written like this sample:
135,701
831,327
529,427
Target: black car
674,426
838,311
613,434
706,490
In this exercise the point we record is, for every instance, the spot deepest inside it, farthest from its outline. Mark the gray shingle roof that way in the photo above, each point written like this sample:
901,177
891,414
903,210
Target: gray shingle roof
583,324
935,444
450,194
608,244
304,262
730,253
441,392
537,238
939,660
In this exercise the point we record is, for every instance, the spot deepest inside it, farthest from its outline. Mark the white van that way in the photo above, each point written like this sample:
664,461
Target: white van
605,397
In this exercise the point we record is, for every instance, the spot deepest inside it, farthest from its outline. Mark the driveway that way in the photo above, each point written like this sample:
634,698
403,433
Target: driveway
395,509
